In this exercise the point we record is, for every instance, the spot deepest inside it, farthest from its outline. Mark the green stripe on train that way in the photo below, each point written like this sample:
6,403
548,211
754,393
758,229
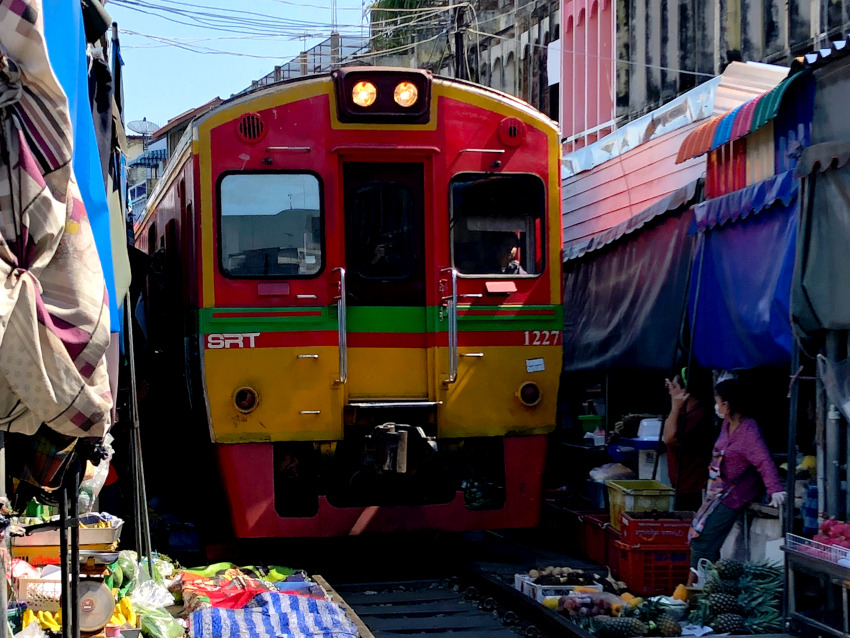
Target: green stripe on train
378,319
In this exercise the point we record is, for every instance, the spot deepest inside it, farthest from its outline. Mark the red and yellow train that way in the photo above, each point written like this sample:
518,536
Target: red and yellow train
369,267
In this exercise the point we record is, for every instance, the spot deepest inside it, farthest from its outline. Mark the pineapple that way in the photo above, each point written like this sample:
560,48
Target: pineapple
728,623
668,626
723,604
729,569
607,627
767,622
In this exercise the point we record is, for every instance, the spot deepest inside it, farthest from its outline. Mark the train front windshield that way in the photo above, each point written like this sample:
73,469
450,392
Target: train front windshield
498,224
270,225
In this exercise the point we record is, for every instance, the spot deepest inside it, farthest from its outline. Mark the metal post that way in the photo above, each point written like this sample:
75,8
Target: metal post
143,531
74,557
793,408
832,465
63,561
4,549
820,422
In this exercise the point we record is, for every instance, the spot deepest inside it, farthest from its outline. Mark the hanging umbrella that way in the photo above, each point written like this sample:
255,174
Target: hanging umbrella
54,317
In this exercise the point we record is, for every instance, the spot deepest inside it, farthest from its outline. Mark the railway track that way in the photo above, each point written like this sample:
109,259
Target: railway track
436,608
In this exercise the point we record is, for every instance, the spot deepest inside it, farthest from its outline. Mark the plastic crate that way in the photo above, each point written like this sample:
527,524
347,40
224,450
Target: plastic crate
40,594
526,584
39,556
655,528
591,422
593,542
612,555
638,496
654,569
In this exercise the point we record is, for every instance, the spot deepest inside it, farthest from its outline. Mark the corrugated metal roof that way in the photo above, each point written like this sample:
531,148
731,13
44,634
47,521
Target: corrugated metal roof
677,200
745,119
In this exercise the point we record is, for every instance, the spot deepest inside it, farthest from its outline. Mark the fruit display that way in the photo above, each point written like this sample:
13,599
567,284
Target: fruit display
834,533
741,598
568,576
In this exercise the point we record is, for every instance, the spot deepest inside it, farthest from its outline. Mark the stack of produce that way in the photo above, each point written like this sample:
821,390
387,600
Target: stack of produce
741,598
835,533
569,576
583,606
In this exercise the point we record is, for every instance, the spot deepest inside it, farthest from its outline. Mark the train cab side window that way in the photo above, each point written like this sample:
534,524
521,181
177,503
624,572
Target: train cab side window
270,225
498,224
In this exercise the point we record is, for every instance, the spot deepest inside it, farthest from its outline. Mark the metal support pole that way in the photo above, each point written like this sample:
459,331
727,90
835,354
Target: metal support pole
74,558
820,426
143,530
832,442
793,407
63,561
4,549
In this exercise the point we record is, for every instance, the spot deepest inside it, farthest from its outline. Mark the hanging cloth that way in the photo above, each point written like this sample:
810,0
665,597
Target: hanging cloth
54,318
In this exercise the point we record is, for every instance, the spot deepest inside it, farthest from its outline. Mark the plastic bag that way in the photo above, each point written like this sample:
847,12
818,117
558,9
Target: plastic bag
611,472
31,631
151,594
157,622
90,488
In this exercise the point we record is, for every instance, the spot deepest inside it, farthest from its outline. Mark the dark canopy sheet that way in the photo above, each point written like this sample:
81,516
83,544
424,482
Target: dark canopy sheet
623,303
821,295
742,290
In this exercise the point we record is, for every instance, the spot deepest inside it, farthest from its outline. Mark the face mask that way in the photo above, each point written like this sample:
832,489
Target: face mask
718,412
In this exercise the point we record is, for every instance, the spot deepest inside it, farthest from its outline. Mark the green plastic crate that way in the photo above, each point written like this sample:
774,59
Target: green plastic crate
638,496
591,422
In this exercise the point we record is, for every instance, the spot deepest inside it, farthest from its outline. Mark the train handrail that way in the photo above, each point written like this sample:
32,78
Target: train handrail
341,309
451,311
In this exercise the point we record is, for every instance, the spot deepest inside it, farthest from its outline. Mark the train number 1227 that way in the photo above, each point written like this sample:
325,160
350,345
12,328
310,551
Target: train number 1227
542,337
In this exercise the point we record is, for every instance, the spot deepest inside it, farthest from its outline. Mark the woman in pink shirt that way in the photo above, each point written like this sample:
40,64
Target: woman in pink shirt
739,468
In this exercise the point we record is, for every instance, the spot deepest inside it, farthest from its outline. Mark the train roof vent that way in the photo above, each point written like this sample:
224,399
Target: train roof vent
251,128
512,131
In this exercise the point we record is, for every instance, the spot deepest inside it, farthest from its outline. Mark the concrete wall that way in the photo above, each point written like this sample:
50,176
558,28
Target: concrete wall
665,47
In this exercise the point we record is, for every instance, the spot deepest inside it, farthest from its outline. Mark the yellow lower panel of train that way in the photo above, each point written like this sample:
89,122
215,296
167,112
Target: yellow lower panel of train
298,398
483,401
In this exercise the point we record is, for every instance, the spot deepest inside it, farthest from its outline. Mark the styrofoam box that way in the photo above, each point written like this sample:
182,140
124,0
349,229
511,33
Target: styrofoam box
88,536
526,584
649,429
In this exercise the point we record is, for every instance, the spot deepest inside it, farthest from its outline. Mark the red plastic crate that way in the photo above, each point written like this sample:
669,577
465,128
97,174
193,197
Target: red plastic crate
653,569
593,540
612,536
655,528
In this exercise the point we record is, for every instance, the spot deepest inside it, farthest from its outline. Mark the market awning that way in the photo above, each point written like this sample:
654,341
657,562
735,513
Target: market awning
623,300
735,124
821,299
739,299
150,158
748,201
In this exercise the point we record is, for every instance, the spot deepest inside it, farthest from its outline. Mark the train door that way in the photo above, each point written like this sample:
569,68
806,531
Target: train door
386,280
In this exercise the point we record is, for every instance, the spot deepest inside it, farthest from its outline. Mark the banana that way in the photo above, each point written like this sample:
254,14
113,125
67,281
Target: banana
28,618
49,622
128,611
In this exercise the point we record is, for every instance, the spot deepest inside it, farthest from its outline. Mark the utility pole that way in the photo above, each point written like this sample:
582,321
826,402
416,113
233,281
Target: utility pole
460,53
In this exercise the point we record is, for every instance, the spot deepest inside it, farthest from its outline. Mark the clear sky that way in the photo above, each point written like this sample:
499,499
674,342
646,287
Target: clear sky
195,50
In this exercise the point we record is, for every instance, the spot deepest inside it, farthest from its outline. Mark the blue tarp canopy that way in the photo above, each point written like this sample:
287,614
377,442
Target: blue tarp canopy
739,299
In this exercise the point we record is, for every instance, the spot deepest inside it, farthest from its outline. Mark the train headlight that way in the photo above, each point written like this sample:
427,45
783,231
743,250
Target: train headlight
246,400
364,94
405,94
529,394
